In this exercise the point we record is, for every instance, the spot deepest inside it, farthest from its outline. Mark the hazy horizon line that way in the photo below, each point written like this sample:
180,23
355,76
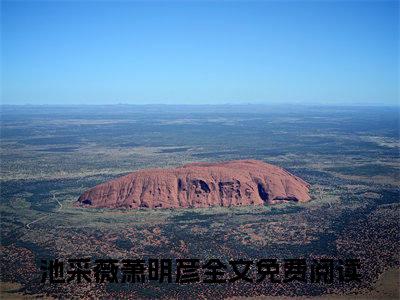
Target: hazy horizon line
211,104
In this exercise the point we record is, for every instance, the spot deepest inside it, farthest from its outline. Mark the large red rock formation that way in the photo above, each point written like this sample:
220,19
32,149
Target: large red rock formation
242,182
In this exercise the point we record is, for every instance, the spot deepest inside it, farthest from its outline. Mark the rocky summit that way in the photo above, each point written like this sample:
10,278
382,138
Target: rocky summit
230,183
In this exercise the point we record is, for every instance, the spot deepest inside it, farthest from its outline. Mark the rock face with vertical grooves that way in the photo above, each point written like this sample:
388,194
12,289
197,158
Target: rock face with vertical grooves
231,183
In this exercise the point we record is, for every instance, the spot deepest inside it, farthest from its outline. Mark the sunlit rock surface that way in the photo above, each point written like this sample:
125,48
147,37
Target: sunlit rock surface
231,183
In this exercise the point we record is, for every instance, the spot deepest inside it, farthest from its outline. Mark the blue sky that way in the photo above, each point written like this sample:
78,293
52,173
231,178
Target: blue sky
317,52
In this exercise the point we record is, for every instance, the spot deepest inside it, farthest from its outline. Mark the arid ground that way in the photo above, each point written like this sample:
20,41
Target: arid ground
349,155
